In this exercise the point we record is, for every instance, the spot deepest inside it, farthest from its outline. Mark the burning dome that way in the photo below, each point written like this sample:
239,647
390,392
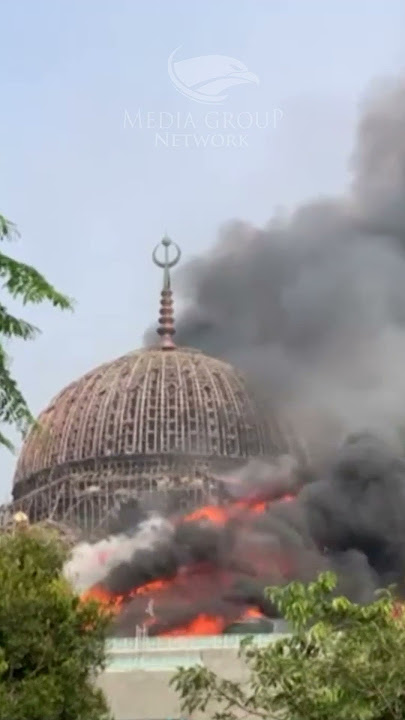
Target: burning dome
149,426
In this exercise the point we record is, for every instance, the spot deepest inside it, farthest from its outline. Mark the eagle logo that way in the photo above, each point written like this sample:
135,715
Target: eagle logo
206,78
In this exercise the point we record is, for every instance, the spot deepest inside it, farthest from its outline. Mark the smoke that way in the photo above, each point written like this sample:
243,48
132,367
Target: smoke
361,505
91,562
349,520
312,307
264,480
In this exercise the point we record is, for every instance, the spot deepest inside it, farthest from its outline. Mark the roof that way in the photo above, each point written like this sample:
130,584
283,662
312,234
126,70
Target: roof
153,402
148,402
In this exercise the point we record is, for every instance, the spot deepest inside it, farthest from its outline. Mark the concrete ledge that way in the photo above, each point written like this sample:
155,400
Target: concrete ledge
167,654
136,681
153,662
189,642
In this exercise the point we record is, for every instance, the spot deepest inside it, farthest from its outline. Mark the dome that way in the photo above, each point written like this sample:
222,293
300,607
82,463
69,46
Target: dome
153,428
146,403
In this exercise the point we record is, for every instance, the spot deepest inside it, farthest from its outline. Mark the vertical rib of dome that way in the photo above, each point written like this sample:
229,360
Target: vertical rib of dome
148,403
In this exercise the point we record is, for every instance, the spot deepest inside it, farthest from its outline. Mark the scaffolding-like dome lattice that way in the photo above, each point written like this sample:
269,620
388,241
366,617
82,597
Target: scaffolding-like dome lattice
146,417
144,404
155,426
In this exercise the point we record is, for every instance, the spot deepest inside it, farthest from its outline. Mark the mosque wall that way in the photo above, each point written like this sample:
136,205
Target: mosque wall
136,682
145,694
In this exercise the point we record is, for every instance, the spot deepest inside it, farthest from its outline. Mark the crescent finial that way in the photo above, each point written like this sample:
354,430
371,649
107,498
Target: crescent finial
166,320
166,264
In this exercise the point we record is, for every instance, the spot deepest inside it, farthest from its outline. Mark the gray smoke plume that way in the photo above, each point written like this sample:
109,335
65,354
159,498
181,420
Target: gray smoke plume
348,520
312,308
264,480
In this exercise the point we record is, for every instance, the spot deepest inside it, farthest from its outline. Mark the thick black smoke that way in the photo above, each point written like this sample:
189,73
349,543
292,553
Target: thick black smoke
312,308
349,520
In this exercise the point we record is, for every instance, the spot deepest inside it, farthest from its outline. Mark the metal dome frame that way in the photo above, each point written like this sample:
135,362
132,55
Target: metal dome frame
193,417
156,426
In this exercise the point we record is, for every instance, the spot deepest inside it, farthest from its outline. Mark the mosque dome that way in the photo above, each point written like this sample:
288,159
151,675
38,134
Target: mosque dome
163,413
149,402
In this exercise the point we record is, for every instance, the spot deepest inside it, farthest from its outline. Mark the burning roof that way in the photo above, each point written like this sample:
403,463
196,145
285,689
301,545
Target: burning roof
204,571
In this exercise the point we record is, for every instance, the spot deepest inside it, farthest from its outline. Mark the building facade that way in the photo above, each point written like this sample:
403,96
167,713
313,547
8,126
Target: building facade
137,678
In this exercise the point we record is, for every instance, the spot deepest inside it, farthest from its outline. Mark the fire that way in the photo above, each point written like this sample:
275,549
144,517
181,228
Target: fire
212,513
219,515
98,593
112,603
252,612
200,625
153,586
211,625
188,587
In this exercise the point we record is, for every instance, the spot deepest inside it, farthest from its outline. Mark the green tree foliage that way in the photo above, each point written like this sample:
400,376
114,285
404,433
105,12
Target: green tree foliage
52,644
342,661
24,283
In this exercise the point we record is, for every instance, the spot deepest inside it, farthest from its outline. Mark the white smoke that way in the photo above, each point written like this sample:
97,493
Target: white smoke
91,562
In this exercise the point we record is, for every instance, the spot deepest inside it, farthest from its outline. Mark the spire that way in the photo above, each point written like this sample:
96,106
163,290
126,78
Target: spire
166,317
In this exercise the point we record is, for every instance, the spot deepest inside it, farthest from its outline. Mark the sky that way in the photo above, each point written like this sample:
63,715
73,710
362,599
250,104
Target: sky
95,165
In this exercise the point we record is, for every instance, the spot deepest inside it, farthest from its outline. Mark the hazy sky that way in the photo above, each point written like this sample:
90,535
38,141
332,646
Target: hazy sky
92,192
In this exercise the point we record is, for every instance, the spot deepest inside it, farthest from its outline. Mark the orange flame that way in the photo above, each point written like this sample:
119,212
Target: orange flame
200,625
252,612
182,583
212,513
219,515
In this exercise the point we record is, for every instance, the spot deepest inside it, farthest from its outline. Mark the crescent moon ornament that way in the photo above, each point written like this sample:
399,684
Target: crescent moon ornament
166,328
166,264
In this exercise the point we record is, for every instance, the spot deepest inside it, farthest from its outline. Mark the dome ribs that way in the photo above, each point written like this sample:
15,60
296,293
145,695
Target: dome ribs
88,413
232,439
180,411
197,439
148,425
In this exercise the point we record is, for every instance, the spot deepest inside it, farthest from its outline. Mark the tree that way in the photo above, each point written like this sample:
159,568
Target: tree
52,644
342,661
25,283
